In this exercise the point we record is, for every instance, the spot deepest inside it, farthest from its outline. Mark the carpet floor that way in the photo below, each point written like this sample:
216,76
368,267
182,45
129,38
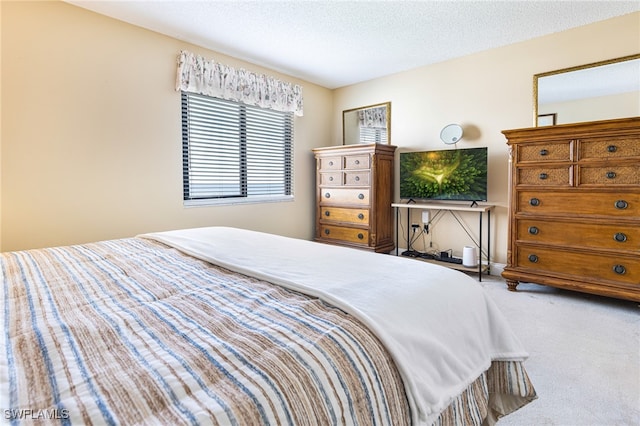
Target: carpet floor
584,355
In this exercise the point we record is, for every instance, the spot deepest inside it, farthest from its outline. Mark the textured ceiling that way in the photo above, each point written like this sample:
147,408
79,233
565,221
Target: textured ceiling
336,43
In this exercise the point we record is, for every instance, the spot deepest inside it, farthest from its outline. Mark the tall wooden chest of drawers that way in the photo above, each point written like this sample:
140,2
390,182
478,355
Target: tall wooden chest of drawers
574,207
354,196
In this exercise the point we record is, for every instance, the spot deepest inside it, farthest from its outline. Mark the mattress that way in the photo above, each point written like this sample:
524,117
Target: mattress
227,326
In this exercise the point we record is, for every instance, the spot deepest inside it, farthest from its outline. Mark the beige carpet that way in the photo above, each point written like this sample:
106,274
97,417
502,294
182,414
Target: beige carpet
584,355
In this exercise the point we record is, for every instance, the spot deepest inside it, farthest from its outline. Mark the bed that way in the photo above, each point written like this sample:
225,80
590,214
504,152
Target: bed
227,326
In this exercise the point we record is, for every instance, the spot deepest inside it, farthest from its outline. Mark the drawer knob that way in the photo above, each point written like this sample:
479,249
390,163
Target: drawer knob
620,237
534,202
327,232
533,258
357,178
327,195
543,176
360,216
331,163
327,213
544,152
619,269
612,148
360,236
611,175
357,162
330,178
621,204
361,196
533,230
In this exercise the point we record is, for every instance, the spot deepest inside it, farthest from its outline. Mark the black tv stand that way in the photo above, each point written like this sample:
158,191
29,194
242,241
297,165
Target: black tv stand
474,204
452,209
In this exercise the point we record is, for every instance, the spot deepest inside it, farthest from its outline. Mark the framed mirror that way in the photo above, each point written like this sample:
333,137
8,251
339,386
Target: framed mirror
368,124
597,91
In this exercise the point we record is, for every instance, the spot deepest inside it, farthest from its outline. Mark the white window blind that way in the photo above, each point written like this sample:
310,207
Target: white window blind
235,151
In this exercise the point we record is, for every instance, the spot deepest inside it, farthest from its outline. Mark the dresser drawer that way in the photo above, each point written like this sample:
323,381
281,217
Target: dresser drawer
353,235
549,176
609,175
344,196
579,234
357,178
331,178
590,267
356,162
331,163
337,214
613,148
543,152
614,204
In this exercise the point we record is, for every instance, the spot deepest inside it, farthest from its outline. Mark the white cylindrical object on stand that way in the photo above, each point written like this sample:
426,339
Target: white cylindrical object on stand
469,257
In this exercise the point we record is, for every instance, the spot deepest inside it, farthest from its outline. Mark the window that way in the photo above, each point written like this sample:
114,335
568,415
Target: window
232,152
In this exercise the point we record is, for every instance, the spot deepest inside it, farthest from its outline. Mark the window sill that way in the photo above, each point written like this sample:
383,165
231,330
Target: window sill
239,200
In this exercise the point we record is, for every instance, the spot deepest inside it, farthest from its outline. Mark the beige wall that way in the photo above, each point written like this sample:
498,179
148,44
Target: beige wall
91,137
91,146
486,93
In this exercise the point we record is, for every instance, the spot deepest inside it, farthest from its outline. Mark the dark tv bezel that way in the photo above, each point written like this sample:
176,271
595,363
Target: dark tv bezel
440,199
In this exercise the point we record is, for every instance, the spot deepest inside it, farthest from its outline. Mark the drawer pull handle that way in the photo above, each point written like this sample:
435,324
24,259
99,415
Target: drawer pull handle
620,237
360,216
357,178
327,213
619,269
534,202
533,258
611,175
533,230
544,152
327,232
612,148
360,236
543,176
331,163
327,195
330,178
361,196
621,204
357,162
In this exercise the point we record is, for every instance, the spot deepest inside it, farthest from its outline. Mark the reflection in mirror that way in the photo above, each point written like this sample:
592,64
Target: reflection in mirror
369,124
598,91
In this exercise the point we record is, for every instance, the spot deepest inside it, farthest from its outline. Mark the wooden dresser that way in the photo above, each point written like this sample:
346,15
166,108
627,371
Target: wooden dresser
574,207
354,196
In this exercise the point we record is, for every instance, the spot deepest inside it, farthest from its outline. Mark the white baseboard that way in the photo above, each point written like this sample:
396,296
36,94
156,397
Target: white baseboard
497,268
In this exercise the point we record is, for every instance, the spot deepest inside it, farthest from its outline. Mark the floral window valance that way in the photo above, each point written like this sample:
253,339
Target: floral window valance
198,75
373,117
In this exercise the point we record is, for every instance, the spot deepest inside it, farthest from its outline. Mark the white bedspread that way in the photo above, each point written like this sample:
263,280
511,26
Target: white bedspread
437,323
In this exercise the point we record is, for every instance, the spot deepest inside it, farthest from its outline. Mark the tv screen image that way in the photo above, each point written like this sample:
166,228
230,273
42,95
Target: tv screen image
455,174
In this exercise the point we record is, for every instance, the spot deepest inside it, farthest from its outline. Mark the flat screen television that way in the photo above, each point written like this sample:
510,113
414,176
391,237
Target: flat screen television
453,174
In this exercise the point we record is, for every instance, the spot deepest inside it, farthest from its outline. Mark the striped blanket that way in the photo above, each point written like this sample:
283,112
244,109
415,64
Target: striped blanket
135,332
